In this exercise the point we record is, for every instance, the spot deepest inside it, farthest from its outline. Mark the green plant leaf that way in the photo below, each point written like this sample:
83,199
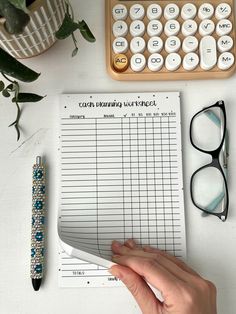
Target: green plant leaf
27,97
5,93
10,88
10,66
19,4
67,28
12,124
74,52
2,85
86,32
17,131
16,19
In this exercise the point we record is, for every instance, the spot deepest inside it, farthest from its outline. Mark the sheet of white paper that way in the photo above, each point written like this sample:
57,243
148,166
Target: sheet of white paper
74,272
121,175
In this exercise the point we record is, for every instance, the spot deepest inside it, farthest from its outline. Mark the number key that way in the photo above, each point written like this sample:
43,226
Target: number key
154,11
154,28
171,11
138,62
155,44
172,44
137,12
137,45
155,62
137,28
172,28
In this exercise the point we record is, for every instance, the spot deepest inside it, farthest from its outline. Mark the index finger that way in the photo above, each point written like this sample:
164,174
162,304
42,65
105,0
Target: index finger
155,274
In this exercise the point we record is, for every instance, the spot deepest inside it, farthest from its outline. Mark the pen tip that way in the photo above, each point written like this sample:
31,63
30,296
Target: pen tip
38,160
36,283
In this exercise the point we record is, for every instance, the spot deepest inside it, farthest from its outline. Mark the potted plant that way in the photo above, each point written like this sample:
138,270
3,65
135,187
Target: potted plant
21,37
27,27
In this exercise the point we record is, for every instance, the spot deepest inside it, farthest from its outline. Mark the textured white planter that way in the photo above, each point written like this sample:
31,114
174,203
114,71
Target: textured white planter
45,19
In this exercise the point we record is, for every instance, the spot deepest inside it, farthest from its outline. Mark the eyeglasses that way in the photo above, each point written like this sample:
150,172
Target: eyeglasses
208,185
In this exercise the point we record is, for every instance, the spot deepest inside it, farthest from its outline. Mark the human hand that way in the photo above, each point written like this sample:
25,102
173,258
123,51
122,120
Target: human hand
184,291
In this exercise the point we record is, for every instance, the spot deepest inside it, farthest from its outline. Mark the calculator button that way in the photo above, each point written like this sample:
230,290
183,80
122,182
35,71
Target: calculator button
206,27
223,27
155,44
154,28
190,44
137,28
190,61
172,44
173,61
120,45
171,11
119,12
155,62
206,10
172,28
137,12
223,11
225,43
188,11
137,45
120,62
154,12
207,51
138,62
189,27
120,29
225,61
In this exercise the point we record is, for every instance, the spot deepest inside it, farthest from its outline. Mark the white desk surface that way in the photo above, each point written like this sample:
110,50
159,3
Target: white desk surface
210,243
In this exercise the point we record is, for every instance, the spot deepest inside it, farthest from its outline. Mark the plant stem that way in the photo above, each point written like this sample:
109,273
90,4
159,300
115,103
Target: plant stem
70,12
7,78
16,91
74,40
17,120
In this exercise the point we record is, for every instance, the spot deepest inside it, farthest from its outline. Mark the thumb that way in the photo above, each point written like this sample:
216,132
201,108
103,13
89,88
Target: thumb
142,293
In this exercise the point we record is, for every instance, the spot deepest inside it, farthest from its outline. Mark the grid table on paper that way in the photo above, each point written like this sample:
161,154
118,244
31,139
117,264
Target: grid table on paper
123,172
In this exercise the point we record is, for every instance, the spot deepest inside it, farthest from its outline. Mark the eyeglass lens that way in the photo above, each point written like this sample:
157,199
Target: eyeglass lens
207,129
209,190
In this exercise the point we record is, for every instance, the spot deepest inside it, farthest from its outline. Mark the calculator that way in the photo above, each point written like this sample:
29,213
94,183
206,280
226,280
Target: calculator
162,40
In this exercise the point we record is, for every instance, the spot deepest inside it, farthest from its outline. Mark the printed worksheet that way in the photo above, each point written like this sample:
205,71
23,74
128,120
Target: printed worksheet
120,178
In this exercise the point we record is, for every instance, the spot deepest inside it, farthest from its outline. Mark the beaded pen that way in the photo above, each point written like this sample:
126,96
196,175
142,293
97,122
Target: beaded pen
38,221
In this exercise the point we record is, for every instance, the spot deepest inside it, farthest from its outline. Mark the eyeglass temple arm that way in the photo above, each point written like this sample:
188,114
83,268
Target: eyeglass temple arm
217,200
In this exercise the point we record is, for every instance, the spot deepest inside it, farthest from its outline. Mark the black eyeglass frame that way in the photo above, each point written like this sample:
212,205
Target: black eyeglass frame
215,154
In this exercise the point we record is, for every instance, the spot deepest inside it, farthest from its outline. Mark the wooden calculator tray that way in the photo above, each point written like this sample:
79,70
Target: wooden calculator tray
164,74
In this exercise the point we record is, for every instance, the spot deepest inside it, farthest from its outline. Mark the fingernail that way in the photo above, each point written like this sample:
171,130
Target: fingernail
115,272
130,243
115,257
116,244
